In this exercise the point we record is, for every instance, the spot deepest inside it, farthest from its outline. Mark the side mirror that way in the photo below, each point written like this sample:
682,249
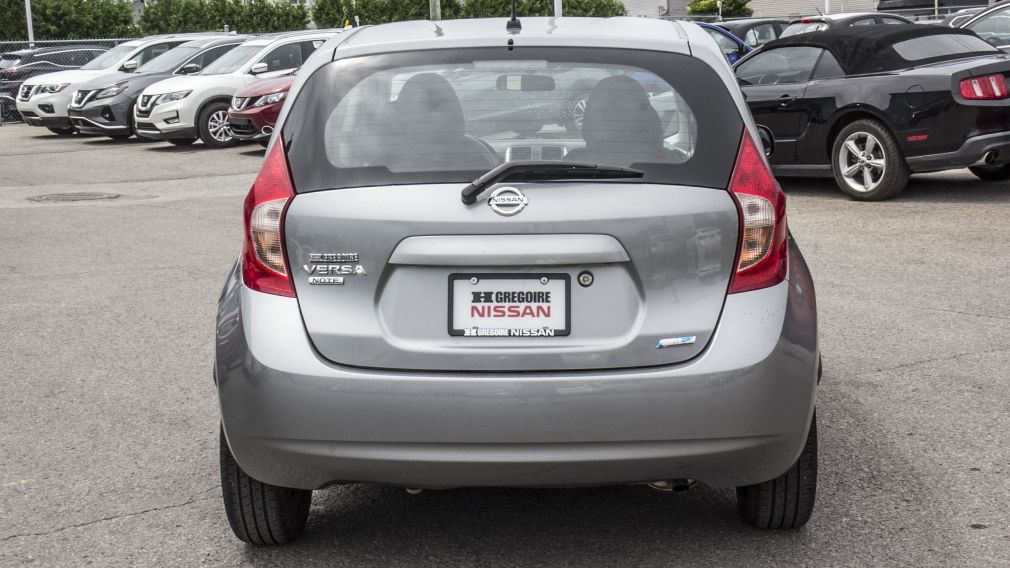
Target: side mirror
260,67
767,140
130,65
189,69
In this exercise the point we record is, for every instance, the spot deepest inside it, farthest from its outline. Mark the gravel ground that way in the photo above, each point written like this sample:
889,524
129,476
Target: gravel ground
108,423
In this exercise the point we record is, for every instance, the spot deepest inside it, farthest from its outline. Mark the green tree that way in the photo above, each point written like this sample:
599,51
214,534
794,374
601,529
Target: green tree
730,8
330,13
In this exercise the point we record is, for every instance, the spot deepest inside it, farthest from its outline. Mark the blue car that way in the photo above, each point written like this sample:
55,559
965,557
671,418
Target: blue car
732,47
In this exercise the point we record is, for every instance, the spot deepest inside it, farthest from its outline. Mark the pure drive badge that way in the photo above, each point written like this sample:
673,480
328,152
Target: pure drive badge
323,268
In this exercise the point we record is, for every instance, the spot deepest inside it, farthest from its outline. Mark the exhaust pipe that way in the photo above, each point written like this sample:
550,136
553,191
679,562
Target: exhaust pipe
268,130
669,485
988,159
413,490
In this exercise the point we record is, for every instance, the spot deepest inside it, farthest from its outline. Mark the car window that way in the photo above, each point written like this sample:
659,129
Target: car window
212,55
286,56
893,21
233,60
828,67
864,22
952,45
803,27
994,27
111,57
154,51
760,34
309,46
726,45
778,66
450,115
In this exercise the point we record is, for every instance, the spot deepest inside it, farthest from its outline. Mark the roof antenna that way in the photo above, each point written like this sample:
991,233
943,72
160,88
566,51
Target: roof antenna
513,25
819,13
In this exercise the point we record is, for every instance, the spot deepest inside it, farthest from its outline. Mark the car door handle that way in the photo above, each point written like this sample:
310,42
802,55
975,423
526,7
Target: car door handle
786,100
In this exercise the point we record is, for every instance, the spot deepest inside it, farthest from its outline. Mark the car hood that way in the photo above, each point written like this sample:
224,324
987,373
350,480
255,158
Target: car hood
73,77
196,83
266,86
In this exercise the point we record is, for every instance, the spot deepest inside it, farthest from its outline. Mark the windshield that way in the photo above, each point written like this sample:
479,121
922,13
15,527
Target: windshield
403,118
802,28
110,58
168,61
233,60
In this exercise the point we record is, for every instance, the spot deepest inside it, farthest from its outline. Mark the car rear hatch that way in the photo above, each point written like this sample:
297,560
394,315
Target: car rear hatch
393,270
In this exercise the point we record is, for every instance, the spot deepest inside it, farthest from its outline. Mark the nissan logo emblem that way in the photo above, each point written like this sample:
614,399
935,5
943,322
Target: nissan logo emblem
507,201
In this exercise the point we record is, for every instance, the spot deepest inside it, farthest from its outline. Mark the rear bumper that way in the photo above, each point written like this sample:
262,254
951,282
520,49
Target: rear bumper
973,150
735,415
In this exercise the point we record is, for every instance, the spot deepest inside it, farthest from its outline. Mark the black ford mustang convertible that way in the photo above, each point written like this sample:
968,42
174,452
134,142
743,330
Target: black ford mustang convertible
872,105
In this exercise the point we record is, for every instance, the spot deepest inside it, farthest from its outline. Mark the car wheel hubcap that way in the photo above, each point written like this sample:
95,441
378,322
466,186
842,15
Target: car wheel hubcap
862,162
218,127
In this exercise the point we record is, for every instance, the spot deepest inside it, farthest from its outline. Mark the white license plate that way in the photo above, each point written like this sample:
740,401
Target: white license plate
509,305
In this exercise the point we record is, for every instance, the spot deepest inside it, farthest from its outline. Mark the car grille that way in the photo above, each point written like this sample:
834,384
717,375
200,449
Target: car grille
145,104
80,97
242,127
26,92
239,103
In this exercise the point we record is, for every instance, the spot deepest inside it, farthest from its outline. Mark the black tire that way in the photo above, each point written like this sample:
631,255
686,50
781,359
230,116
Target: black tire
889,172
213,118
182,141
260,513
991,173
61,130
787,501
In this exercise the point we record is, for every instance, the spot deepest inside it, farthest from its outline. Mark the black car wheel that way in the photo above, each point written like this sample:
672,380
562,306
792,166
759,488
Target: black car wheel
786,502
214,128
61,130
991,173
260,513
867,163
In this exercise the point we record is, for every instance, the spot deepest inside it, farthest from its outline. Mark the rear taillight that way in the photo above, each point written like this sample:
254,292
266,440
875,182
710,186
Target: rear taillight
761,260
264,263
988,87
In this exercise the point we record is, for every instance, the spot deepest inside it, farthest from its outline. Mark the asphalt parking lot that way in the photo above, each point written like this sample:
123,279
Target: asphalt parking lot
108,422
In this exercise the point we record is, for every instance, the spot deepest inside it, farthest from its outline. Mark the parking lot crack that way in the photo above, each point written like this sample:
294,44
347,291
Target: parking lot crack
195,498
933,360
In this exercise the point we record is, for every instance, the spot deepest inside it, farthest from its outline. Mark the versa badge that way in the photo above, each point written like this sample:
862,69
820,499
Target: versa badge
324,270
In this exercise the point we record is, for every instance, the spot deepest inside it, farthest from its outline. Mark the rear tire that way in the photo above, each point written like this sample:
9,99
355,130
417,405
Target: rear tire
867,163
260,513
213,126
786,502
990,173
182,141
61,130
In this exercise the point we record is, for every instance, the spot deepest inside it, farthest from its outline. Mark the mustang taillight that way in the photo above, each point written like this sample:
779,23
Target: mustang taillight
264,263
988,87
762,207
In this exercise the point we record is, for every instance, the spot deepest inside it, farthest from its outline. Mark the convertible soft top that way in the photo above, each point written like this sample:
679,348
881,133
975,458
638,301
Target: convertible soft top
870,49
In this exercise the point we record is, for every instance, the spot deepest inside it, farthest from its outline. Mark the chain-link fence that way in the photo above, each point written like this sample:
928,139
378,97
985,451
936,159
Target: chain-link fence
21,60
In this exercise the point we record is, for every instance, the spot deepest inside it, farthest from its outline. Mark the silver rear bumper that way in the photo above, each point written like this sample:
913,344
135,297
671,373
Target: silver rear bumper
737,414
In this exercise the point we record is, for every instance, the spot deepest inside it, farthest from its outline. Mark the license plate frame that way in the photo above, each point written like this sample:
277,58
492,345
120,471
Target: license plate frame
526,276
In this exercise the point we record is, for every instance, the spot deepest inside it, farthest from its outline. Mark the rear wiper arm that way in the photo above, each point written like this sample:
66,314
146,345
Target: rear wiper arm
533,170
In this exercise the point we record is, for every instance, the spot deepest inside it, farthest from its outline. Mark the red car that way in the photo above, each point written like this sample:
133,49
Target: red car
254,108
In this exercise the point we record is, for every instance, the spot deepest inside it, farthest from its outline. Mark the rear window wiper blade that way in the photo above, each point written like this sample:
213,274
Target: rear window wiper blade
533,170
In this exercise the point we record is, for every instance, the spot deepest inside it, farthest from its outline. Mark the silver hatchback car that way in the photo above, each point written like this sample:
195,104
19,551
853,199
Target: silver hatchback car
547,256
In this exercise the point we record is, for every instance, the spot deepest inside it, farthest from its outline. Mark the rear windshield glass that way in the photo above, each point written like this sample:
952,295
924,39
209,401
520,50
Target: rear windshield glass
934,46
450,115
802,28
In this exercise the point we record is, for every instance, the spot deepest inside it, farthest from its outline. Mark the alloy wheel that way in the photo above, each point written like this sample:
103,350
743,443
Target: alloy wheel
862,162
217,125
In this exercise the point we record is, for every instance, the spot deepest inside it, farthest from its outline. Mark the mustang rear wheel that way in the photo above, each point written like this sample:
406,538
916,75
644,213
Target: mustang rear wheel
991,173
867,163
787,501
260,513
213,125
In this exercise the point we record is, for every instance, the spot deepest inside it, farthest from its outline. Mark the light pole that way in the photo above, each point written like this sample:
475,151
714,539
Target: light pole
435,10
28,19
557,8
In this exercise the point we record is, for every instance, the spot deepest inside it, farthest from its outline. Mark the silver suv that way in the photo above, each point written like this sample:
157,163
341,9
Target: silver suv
433,296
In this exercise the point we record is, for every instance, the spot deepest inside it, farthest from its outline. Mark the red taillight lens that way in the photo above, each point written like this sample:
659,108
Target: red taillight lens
264,263
988,87
762,206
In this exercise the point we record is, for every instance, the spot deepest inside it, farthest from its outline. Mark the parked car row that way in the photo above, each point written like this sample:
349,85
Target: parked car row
176,88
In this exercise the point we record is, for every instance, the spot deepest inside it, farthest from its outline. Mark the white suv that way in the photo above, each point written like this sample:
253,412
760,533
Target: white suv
43,100
183,109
